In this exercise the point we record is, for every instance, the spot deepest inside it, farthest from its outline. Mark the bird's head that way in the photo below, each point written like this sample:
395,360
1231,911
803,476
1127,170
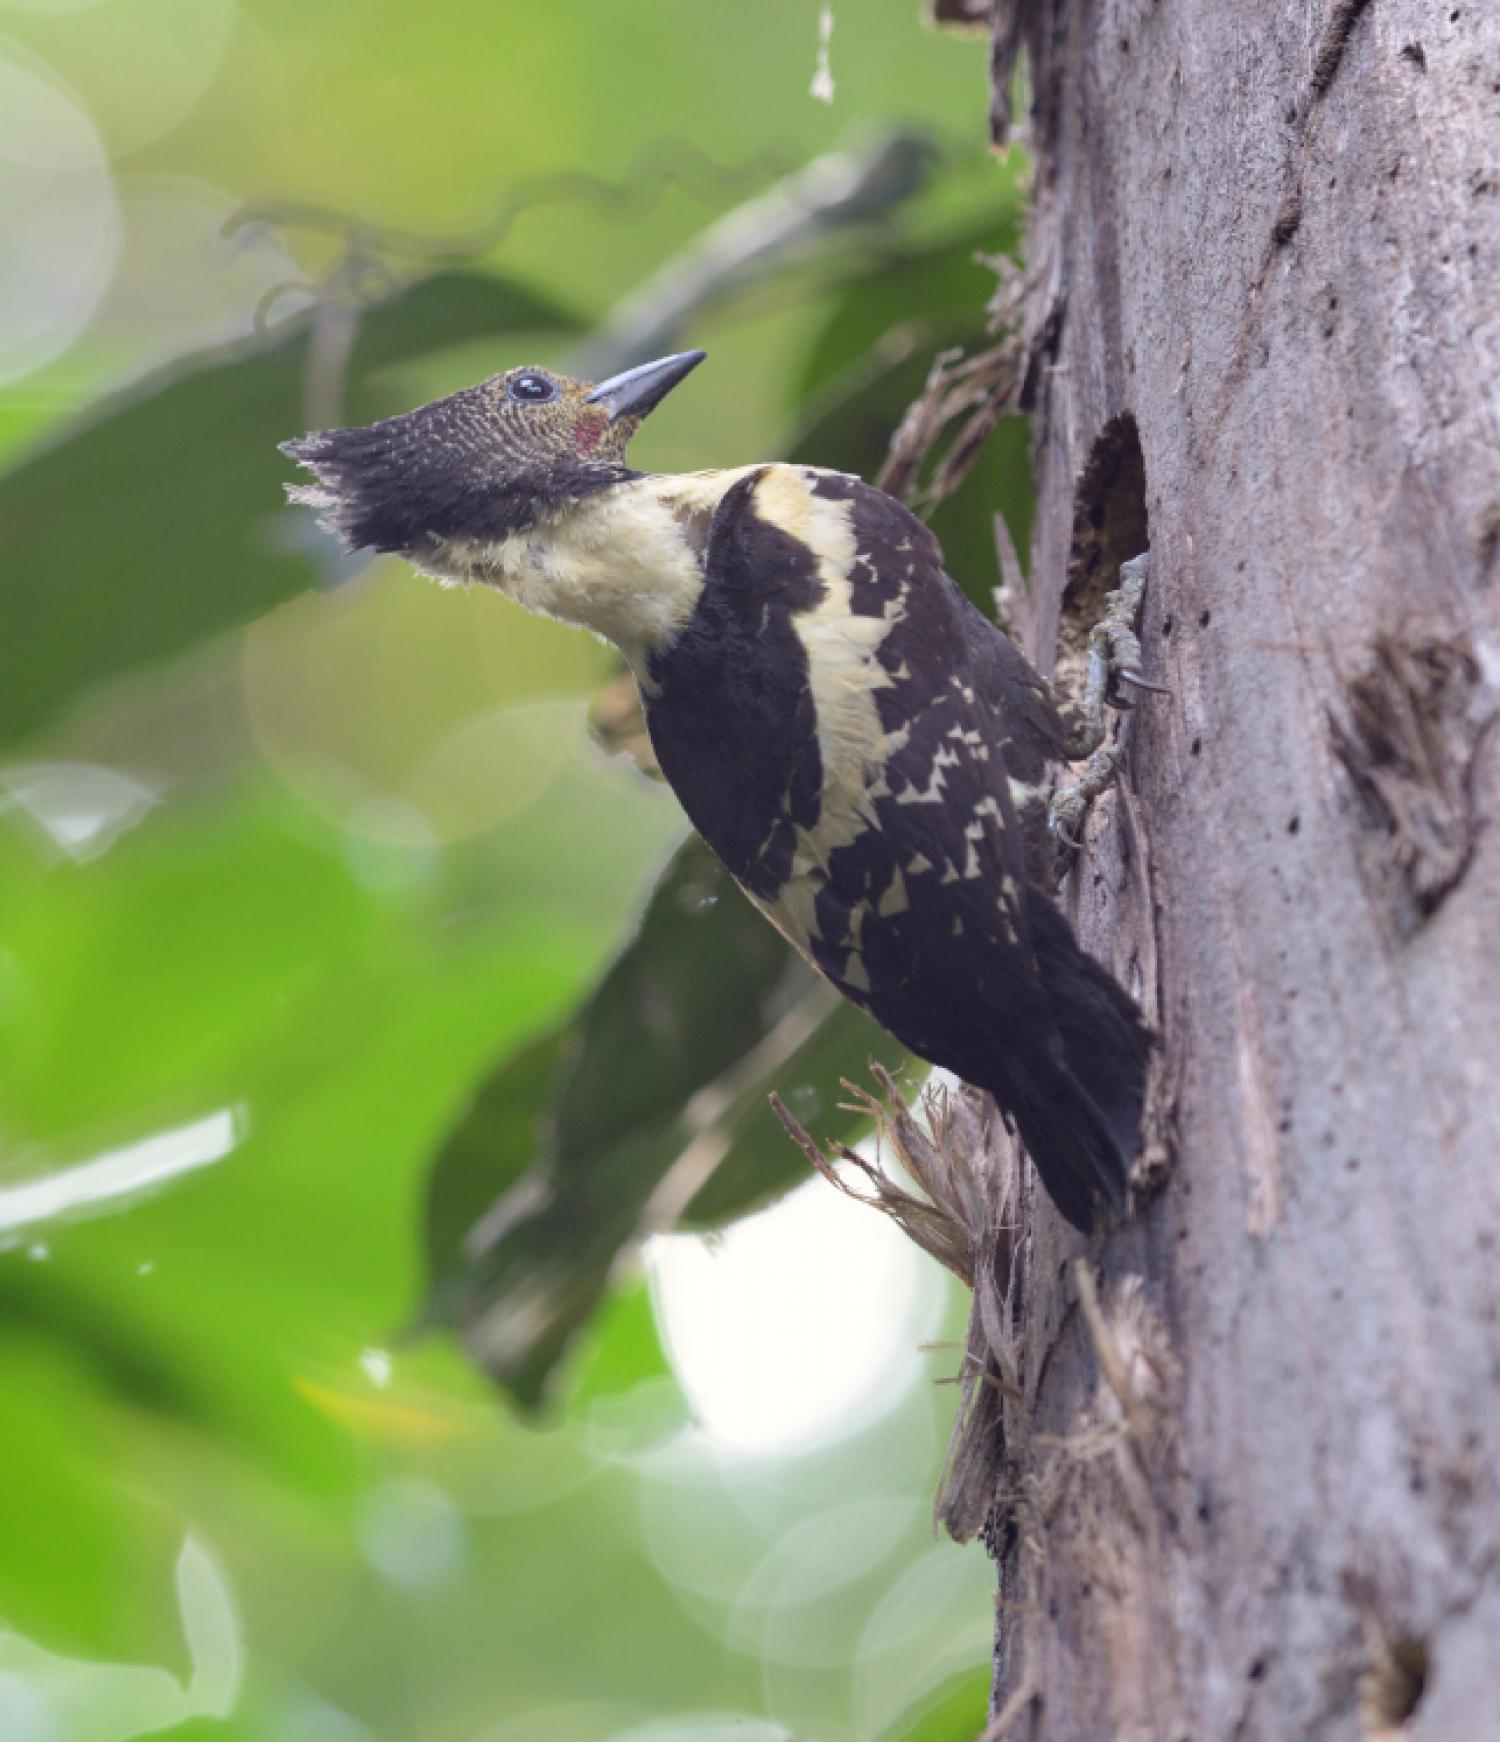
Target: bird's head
482,464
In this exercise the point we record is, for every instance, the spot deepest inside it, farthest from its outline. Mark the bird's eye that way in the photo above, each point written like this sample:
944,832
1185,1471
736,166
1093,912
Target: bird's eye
532,389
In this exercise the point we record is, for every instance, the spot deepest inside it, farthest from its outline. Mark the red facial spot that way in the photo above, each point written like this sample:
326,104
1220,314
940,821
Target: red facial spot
590,433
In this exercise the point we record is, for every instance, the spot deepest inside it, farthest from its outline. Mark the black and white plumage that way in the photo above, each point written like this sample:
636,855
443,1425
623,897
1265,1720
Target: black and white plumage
867,754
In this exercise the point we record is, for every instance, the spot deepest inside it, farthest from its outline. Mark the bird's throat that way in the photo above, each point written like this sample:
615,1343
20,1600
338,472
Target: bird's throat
626,563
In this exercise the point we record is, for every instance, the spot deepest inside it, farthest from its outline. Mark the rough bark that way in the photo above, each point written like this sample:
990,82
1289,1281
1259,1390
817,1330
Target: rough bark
1250,1486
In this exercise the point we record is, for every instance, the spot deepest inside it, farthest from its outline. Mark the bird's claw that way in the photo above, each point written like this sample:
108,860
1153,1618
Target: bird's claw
1137,682
1057,818
1113,644
1122,701
1114,672
1069,805
1114,648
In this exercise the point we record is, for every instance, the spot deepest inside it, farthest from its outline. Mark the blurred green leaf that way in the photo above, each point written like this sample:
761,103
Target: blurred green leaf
485,1156
758,1162
955,1713
227,954
623,1349
921,297
160,520
701,981
152,927
656,1106
67,1540
871,360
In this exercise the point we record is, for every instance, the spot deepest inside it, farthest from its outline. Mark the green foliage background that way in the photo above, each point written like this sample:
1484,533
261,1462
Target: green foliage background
333,860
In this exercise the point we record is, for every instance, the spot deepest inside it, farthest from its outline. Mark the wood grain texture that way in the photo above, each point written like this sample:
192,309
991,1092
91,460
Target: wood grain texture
1253,1490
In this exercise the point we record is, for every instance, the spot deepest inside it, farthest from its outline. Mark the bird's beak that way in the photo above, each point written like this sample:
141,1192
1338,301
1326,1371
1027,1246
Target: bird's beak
642,389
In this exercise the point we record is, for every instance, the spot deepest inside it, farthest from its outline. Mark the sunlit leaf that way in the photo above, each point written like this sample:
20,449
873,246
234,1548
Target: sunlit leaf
161,519
67,1539
954,1714
223,955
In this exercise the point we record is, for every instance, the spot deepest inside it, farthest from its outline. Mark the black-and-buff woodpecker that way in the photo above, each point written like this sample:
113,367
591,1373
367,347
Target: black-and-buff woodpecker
867,754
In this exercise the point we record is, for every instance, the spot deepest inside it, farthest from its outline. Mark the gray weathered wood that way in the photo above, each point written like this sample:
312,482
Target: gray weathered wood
1253,1489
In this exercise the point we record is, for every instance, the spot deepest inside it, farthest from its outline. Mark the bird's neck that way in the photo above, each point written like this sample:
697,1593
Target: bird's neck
626,563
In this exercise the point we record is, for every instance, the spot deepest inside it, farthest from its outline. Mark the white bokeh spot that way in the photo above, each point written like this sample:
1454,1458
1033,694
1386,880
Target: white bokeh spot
797,1325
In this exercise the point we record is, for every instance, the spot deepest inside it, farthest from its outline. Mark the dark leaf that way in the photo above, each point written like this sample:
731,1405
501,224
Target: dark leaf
871,361
161,520
658,1106
924,297
758,1162
506,1125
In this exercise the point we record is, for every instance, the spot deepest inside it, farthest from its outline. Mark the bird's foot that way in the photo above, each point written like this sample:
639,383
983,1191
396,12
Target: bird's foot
1114,669
1114,647
1069,805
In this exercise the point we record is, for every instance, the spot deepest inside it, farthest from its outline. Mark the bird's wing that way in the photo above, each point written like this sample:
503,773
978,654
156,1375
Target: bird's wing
729,704
921,853
928,916
1033,733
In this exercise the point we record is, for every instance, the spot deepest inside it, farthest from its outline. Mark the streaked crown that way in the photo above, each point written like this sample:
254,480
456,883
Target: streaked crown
482,463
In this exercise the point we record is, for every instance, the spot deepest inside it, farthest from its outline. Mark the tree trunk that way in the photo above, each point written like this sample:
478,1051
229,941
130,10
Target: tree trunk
1251,1486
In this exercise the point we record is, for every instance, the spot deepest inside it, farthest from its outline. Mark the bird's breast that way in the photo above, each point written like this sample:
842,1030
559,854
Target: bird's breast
626,563
840,630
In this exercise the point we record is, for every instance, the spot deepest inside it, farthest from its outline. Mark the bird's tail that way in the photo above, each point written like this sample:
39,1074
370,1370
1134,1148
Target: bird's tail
1082,1127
